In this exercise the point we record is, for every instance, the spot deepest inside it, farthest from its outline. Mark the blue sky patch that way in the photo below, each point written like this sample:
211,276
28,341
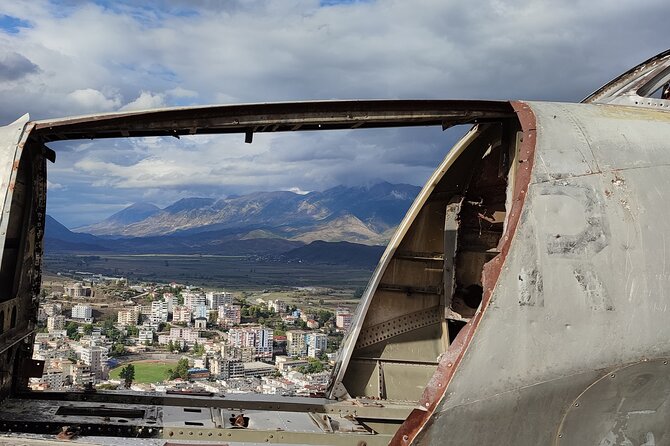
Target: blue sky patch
12,24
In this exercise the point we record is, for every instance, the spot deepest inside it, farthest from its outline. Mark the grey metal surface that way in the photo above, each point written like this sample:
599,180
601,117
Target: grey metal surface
630,405
92,422
594,231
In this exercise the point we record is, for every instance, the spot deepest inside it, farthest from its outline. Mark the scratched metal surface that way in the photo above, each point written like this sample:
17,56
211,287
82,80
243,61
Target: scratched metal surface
582,292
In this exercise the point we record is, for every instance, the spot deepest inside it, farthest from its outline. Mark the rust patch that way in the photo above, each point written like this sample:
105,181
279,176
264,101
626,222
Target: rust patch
420,417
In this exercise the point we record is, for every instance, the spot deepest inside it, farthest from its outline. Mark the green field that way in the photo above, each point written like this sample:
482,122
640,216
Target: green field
146,371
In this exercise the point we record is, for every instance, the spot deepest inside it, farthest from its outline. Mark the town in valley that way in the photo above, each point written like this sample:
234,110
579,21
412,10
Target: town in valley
107,333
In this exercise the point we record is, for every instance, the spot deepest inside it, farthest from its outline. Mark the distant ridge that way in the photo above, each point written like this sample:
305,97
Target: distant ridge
364,214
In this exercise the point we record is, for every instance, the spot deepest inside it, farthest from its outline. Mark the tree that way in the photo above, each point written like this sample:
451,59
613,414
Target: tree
72,330
133,330
198,349
324,316
88,329
108,323
170,345
180,371
128,375
118,349
314,366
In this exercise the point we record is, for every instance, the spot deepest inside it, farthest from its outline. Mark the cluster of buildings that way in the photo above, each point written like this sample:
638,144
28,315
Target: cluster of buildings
306,343
197,308
70,364
245,357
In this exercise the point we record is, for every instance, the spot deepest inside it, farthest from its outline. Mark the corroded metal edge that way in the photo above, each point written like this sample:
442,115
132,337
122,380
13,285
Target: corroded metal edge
421,416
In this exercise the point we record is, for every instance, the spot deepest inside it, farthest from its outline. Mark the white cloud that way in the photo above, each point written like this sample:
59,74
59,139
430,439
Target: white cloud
297,190
54,186
179,92
144,101
91,100
81,57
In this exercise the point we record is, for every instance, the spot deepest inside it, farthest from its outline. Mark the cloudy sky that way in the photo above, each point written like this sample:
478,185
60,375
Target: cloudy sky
67,57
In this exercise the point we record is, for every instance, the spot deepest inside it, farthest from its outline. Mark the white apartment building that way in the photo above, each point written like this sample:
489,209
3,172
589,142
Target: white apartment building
55,323
278,305
181,314
182,336
171,301
159,311
343,320
129,316
145,335
215,299
317,343
229,315
296,342
193,300
80,311
253,336
96,358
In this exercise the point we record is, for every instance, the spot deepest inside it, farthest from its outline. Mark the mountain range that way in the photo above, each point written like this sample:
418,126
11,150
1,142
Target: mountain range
365,215
331,226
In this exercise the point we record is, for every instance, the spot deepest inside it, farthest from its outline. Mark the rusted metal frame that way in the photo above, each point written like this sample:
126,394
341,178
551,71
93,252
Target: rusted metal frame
271,117
99,429
394,411
624,81
279,404
436,388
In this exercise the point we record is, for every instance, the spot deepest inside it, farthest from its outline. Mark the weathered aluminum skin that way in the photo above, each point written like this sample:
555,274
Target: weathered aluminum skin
593,230
570,344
